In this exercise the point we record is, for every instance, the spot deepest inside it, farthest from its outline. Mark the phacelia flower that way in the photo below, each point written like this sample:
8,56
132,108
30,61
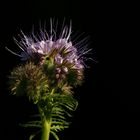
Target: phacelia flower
53,65
62,61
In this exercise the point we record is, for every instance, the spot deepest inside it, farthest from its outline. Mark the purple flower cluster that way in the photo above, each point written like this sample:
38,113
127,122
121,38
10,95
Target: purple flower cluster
62,51
65,57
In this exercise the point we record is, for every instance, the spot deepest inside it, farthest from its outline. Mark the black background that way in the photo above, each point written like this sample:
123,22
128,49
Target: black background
109,99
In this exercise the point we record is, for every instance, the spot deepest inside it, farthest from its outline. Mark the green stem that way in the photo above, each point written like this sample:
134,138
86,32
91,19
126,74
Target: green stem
46,130
46,125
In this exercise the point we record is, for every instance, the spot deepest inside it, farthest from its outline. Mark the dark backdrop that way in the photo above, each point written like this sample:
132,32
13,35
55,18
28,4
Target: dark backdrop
109,99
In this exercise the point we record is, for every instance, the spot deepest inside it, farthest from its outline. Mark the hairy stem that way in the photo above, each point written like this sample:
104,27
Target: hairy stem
46,130
46,124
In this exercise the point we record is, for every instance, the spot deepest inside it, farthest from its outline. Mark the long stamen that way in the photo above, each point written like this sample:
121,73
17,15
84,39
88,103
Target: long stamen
12,52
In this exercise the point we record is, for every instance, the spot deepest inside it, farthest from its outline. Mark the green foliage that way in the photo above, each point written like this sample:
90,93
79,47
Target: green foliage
32,124
56,108
55,135
54,98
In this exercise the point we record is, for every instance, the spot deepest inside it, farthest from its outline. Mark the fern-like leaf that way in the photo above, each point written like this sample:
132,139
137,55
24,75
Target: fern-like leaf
32,124
55,135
